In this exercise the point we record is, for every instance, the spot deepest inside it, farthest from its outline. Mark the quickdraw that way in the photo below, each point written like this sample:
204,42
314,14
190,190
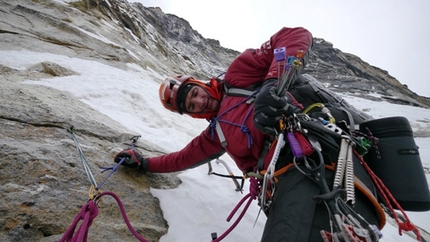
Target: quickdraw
90,211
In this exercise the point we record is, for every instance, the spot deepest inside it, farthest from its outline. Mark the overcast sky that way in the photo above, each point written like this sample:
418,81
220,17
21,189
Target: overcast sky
393,35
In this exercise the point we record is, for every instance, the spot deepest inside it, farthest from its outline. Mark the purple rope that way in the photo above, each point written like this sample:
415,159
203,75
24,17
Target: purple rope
242,126
87,214
113,168
252,195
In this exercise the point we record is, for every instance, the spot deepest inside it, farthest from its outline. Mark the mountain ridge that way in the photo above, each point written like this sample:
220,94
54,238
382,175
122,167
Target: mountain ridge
181,49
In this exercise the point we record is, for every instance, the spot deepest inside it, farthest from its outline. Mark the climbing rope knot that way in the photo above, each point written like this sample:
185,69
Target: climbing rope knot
408,226
245,130
90,208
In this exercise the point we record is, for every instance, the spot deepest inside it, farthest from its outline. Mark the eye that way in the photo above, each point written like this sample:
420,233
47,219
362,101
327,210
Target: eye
190,107
194,93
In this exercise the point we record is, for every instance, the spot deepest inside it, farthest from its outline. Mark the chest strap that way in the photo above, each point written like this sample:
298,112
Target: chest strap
236,92
221,136
240,92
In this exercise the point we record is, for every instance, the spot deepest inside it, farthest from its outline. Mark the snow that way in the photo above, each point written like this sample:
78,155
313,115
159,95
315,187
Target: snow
201,204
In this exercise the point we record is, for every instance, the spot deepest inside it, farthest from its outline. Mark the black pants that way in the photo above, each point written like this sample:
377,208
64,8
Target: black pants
296,217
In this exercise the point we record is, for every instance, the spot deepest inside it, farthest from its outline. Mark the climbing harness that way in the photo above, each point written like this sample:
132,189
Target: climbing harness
90,211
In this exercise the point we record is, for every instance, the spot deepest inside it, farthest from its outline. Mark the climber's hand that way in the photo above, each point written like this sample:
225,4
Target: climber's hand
132,159
269,108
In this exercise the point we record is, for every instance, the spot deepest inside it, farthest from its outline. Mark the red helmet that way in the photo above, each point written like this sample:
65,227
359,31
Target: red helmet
171,93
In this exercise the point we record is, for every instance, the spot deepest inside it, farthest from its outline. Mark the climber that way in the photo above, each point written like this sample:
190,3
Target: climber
244,110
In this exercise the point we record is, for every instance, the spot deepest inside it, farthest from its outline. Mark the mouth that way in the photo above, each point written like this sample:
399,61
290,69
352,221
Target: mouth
212,104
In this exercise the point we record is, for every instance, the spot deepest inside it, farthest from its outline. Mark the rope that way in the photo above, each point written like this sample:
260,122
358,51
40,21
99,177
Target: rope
90,210
87,214
252,195
388,197
242,126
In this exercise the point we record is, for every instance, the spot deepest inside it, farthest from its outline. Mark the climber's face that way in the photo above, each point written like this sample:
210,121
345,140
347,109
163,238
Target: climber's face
198,100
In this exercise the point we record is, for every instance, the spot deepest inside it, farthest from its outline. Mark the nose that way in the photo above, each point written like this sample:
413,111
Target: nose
200,103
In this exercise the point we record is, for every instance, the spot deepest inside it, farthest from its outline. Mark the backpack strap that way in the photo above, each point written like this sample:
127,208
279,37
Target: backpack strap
240,92
221,136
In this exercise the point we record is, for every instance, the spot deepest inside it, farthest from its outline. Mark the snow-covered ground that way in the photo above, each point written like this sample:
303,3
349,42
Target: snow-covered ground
200,205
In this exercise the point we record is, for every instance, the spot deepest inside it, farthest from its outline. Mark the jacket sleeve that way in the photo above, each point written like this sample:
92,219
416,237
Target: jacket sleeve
199,151
256,65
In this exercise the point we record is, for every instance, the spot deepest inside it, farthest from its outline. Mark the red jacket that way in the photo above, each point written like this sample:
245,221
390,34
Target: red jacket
250,67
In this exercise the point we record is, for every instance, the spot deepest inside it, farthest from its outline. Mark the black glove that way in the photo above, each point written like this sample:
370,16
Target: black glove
132,159
269,108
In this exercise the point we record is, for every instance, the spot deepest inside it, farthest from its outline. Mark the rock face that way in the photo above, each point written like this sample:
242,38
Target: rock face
345,72
39,165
